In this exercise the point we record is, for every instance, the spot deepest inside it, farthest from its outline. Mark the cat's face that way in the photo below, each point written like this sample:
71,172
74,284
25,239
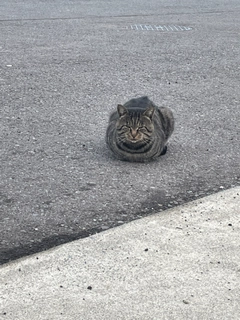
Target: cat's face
134,128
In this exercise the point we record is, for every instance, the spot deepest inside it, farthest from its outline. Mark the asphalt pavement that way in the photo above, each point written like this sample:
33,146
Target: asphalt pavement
178,265
65,67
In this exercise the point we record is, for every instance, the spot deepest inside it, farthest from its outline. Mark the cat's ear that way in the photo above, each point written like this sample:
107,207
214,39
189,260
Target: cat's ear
149,112
121,110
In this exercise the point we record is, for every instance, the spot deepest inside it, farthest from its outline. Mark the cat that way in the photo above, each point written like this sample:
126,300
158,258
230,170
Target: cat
138,131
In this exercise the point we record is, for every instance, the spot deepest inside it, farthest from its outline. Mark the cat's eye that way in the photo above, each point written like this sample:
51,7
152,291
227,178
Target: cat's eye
124,127
142,129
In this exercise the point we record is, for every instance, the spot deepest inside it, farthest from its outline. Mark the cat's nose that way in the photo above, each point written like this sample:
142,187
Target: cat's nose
134,133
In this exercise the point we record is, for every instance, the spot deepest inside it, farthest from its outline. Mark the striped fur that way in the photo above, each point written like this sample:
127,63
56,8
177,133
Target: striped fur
138,131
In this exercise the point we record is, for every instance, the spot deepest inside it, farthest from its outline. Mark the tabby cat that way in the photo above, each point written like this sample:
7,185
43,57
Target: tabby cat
139,130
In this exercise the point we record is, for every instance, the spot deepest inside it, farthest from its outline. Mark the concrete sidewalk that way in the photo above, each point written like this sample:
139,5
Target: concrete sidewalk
183,263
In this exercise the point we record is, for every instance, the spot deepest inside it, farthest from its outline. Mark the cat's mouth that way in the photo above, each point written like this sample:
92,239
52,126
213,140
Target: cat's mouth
134,140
